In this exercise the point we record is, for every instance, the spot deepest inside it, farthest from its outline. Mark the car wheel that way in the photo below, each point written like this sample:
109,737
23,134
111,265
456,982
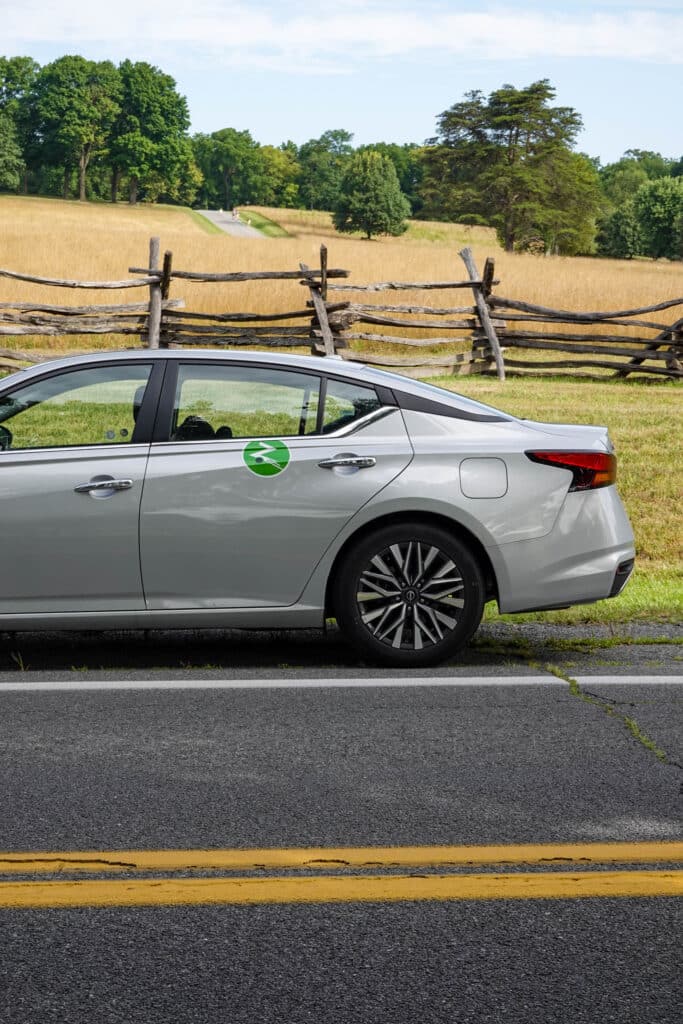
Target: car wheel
409,595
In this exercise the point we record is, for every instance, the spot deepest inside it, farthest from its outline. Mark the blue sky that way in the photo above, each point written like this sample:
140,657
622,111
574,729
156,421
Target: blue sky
382,69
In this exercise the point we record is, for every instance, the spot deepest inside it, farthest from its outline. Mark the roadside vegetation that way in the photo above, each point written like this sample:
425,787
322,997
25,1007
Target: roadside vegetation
99,242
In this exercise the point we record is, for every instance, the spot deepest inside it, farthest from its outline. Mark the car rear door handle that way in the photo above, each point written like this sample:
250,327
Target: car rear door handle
356,461
103,485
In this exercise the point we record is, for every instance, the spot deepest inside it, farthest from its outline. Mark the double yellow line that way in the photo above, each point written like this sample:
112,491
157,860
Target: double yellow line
359,874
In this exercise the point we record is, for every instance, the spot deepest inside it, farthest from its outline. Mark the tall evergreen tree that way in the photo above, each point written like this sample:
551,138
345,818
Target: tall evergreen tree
496,161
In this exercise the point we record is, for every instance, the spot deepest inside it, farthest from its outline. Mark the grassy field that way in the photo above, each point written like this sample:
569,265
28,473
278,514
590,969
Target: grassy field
100,242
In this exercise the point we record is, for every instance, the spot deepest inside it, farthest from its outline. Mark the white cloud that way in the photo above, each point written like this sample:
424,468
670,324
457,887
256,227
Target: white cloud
306,38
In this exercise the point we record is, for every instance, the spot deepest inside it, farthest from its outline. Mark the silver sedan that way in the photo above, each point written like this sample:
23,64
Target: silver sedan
202,488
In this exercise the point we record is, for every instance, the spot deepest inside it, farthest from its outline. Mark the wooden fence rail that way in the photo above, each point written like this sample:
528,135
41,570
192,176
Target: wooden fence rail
489,334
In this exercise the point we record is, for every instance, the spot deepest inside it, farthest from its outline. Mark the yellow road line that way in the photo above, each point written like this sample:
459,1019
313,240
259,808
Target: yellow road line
95,861
339,889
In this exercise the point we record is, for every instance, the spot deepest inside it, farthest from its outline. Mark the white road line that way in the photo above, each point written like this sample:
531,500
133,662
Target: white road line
645,680
82,685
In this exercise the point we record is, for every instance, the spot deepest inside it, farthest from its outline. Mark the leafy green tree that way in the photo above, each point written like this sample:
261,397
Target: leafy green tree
281,170
370,198
619,235
322,163
572,200
17,78
654,164
232,165
407,161
621,180
659,209
76,104
148,141
11,161
17,75
491,161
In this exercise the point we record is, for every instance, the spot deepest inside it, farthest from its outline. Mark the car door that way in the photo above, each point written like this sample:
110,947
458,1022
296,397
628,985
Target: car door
71,475
261,470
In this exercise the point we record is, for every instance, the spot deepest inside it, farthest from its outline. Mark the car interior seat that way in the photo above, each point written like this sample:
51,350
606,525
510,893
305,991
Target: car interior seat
194,428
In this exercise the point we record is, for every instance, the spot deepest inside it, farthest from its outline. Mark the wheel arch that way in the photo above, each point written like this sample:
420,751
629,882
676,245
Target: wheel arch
433,519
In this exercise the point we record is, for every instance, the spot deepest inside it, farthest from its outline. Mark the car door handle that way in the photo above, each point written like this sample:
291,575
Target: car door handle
357,461
103,485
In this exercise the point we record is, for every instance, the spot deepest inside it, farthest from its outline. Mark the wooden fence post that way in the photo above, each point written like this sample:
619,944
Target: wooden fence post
154,322
320,310
165,290
483,310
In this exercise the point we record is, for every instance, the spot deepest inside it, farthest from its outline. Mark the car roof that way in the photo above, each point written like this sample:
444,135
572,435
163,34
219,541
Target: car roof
329,365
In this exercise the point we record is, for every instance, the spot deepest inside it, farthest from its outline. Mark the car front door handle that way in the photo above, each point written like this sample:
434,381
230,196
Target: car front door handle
354,461
107,484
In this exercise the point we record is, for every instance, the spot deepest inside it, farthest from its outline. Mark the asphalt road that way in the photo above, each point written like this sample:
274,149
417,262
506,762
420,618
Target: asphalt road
513,754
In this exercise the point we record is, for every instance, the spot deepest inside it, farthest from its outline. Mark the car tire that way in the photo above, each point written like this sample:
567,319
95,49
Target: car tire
409,595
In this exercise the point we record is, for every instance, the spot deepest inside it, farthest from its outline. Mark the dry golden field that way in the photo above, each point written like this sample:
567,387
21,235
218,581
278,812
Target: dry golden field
91,241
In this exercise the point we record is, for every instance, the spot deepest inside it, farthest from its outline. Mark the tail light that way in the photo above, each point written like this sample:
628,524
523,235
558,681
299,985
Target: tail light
589,469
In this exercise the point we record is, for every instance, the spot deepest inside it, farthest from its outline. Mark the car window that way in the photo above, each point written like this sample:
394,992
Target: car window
346,402
98,405
221,402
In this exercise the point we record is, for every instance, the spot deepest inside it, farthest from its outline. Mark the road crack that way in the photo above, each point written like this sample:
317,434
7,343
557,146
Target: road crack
611,709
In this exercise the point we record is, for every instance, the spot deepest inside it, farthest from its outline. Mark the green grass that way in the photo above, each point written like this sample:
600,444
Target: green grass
267,227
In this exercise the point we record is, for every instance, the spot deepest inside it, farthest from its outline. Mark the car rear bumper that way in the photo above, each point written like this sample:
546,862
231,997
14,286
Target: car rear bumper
588,556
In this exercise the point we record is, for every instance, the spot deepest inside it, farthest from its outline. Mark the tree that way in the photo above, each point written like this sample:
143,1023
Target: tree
17,75
17,78
659,209
281,170
370,197
620,235
572,199
76,102
491,162
322,163
149,134
11,162
232,165
620,181
407,161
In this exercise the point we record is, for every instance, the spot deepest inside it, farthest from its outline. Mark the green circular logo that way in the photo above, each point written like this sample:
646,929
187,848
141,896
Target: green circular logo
266,458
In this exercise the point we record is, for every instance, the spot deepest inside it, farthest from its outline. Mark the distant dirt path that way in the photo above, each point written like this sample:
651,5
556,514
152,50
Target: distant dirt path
231,225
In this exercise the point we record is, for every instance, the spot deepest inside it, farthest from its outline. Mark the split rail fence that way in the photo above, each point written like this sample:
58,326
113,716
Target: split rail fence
421,339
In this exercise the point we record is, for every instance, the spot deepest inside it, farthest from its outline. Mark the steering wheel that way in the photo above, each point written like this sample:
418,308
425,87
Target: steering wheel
5,439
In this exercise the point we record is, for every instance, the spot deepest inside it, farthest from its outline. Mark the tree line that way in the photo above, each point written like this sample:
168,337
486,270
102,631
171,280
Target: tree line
94,130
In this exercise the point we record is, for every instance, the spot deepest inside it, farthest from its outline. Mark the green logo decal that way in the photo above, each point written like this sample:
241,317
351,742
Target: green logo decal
266,458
